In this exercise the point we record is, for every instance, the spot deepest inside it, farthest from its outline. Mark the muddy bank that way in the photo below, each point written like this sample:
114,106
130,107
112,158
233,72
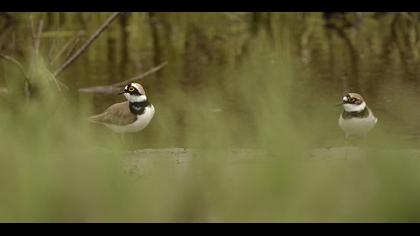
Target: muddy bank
144,160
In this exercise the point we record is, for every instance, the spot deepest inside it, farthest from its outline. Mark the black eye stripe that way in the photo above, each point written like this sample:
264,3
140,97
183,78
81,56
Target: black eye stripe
133,91
352,100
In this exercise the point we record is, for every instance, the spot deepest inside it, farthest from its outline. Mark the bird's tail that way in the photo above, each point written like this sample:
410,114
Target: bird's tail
95,119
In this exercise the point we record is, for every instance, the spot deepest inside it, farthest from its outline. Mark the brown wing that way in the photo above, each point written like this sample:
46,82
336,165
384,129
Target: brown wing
117,114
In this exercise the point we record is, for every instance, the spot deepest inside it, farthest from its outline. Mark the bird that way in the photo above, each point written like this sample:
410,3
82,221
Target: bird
130,116
357,119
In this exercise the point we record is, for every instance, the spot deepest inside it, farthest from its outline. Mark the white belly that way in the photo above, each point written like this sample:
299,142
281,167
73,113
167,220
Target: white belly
141,122
357,126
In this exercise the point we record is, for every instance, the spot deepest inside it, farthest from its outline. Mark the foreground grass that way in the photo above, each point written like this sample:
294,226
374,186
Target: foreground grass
55,166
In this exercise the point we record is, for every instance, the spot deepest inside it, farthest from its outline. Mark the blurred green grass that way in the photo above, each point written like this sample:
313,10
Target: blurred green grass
55,166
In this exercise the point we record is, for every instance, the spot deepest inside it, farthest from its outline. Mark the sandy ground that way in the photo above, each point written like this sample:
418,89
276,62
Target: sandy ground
142,161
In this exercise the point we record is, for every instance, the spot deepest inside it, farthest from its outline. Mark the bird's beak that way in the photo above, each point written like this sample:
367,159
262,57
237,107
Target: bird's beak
339,104
122,92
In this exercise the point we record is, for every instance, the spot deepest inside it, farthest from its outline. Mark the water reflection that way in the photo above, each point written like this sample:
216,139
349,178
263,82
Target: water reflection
375,54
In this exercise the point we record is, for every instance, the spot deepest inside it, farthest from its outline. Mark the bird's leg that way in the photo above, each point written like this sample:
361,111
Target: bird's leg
364,141
347,146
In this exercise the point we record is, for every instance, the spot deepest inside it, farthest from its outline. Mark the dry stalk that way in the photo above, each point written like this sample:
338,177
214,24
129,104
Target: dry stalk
113,87
87,44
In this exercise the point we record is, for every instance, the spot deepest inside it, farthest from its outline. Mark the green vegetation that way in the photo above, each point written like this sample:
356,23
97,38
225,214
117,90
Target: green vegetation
263,83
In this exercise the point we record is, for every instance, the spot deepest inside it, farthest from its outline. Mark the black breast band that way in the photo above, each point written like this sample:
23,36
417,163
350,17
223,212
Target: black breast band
355,114
138,108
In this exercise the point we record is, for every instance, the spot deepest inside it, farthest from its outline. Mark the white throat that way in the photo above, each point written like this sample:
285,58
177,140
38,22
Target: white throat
354,107
135,98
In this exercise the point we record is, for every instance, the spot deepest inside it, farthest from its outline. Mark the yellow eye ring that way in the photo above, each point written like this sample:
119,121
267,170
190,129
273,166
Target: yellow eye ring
131,89
352,99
